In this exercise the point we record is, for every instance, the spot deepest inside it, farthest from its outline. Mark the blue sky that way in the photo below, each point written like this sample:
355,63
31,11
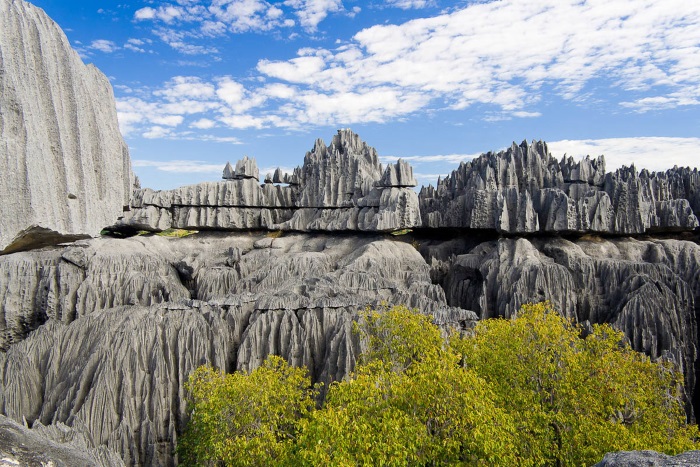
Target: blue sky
202,82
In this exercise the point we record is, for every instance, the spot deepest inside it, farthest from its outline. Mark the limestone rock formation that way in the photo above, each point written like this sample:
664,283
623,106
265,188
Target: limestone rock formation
649,459
118,324
340,187
65,168
650,289
57,445
526,190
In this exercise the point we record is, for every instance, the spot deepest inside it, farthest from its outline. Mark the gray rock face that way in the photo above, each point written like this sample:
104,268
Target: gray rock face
647,289
57,445
526,190
130,319
65,168
340,187
649,459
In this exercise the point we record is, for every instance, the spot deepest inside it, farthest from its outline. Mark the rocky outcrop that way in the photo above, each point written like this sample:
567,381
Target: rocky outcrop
649,289
65,168
525,190
57,445
649,459
118,325
340,187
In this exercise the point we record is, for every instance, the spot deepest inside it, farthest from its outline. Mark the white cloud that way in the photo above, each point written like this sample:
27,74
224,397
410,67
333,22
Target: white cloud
104,45
145,13
204,124
407,4
652,153
180,166
312,12
508,53
505,56
157,132
186,87
168,120
178,41
137,45
243,122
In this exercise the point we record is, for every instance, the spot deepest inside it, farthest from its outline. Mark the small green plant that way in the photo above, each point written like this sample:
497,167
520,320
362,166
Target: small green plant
176,233
274,234
398,233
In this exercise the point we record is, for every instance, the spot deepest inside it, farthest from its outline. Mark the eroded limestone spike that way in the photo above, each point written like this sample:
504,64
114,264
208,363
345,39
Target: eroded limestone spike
399,174
229,172
247,168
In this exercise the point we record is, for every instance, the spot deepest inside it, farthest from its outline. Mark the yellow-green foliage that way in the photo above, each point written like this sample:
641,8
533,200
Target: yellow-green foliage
274,234
525,391
245,419
575,399
177,233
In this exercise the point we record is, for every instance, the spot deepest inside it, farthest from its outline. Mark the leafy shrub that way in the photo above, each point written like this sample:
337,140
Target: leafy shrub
524,391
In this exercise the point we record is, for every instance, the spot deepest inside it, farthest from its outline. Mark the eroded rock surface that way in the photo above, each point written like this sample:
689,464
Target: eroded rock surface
647,288
526,190
126,321
57,445
65,167
340,187
649,459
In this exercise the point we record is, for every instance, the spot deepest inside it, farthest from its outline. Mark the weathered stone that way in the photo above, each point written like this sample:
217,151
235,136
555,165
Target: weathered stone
65,168
339,188
115,333
247,168
525,190
647,289
398,175
229,172
649,459
58,446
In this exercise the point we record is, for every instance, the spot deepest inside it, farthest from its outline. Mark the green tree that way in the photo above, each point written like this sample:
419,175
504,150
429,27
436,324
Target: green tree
575,399
528,391
245,419
408,403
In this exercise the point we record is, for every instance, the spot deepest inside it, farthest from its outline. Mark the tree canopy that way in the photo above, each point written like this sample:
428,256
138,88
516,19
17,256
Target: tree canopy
523,391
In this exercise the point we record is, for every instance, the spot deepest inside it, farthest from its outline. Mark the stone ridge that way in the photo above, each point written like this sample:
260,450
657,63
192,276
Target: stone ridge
340,187
526,190
125,321
65,167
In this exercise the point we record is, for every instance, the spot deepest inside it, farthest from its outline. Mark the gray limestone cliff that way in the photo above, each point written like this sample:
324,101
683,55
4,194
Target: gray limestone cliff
649,289
525,190
340,187
100,336
65,167
57,445
649,459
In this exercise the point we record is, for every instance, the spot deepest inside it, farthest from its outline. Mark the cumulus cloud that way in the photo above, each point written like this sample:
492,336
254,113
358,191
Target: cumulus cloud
312,12
104,45
504,57
507,53
407,4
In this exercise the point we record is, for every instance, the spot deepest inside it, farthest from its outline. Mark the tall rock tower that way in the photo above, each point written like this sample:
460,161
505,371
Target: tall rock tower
64,167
